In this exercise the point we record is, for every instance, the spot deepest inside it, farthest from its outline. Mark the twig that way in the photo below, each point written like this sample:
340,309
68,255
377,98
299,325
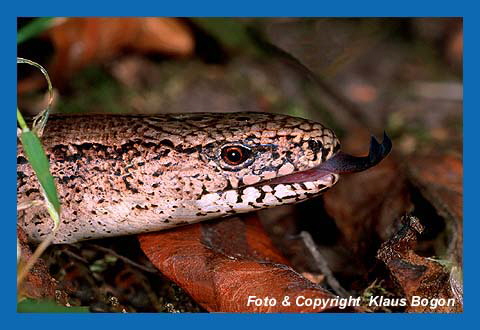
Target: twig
25,205
75,256
269,48
125,259
23,271
322,264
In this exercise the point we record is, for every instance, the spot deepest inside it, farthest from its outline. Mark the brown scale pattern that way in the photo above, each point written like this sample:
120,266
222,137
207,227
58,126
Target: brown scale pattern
120,175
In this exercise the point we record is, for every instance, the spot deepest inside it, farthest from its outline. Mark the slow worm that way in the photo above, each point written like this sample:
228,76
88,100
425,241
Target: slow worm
128,174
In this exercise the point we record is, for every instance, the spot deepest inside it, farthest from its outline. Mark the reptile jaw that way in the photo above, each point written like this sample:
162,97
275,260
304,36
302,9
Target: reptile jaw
339,163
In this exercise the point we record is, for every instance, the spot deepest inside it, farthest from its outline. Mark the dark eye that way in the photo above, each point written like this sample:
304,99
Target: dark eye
235,155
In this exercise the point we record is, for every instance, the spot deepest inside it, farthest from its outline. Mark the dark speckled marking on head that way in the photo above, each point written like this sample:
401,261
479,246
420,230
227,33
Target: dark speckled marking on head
131,174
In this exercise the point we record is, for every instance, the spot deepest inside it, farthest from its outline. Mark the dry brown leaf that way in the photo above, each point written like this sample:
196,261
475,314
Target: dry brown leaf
417,276
80,41
439,179
38,283
366,204
220,264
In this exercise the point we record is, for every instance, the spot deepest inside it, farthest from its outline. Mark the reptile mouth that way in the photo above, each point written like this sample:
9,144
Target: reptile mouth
339,163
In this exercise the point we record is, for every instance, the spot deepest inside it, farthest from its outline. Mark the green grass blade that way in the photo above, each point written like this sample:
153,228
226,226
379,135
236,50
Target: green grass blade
35,153
46,306
39,162
34,28
230,33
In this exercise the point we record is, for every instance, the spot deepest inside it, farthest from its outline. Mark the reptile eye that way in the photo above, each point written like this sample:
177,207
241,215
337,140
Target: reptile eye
235,155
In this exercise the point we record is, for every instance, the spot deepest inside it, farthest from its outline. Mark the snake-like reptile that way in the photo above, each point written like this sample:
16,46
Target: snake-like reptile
119,175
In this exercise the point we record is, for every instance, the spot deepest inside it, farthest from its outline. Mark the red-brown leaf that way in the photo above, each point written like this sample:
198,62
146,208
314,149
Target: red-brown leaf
220,264
416,275
82,41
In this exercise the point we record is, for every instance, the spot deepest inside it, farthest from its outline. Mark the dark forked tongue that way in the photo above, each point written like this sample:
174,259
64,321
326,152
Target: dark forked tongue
342,163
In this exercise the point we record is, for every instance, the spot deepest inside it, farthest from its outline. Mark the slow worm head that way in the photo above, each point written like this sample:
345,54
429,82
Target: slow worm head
119,175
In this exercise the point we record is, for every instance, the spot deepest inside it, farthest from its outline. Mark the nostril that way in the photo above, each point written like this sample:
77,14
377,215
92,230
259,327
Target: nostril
314,145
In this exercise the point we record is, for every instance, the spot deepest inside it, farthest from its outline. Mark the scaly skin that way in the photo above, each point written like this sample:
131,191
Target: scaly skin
119,175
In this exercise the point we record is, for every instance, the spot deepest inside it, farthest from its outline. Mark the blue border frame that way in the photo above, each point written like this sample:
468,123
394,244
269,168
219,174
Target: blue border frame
244,8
